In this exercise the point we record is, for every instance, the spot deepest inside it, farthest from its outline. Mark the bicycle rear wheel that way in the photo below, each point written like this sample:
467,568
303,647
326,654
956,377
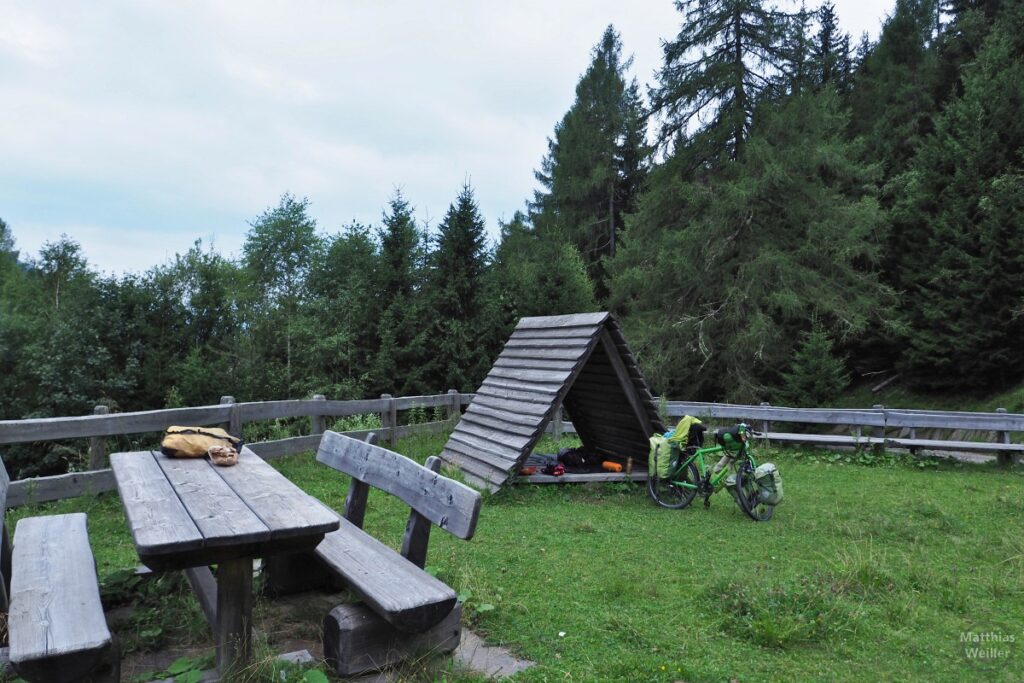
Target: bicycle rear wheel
669,494
747,494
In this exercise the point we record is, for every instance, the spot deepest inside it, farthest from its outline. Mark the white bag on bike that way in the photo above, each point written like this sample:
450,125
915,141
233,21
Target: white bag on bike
769,483
730,485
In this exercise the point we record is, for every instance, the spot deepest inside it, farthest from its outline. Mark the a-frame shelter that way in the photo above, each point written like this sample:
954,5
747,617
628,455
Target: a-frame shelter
580,361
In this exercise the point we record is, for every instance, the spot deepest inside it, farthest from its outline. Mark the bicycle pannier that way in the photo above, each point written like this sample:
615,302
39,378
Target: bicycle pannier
769,484
659,461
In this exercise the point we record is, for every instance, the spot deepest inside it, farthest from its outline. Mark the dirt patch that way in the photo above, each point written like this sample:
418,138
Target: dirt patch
282,624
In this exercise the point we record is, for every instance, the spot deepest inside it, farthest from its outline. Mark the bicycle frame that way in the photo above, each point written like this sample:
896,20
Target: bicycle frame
698,457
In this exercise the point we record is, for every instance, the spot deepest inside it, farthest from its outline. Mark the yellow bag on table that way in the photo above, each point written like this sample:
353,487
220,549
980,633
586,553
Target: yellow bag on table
194,442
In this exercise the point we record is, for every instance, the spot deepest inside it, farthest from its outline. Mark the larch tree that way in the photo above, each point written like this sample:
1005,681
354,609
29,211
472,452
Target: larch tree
722,273
597,160
724,56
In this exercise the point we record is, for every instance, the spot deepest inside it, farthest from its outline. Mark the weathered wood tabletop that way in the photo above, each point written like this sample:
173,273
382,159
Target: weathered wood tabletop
187,513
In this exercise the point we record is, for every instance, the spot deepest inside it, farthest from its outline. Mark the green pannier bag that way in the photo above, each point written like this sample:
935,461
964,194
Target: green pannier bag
660,459
769,484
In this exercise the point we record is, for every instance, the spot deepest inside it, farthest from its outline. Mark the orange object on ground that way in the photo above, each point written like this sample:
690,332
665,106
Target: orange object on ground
611,466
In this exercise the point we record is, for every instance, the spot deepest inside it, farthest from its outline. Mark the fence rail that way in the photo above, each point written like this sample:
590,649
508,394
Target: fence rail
234,415
228,414
874,417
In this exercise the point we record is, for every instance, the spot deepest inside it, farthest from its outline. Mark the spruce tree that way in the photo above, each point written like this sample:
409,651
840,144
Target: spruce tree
893,98
6,238
830,51
969,23
400,336
961,213
457,266
347,305
798,59
596,161
816,376
533,273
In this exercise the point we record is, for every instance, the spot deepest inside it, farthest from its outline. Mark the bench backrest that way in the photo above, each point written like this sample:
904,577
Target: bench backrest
451,505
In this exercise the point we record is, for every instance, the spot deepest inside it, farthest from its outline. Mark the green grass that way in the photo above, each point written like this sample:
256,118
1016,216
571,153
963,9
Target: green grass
865,573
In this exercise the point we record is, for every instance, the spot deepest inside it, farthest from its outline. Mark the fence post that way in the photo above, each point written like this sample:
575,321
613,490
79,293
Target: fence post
389,420
1005,459
234,424
98,444
879,432
318,423
765,424
556,423
455,405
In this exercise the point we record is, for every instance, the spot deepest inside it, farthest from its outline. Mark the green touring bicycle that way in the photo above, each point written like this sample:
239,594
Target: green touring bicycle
686,475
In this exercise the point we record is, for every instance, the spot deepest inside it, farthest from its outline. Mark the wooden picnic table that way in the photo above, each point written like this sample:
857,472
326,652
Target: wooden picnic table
188,514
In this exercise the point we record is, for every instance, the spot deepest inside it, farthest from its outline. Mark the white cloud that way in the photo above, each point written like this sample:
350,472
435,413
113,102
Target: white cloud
26,37
137,127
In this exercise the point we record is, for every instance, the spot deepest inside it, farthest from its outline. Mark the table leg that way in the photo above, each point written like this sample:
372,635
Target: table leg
233,632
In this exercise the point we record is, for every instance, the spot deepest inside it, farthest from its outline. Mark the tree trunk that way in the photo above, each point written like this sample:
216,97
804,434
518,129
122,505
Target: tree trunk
288,356
741,95
611,220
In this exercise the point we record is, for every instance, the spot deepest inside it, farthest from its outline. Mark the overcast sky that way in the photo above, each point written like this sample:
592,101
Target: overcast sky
139,127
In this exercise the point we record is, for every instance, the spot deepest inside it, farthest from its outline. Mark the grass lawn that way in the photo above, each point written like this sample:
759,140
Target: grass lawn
866,573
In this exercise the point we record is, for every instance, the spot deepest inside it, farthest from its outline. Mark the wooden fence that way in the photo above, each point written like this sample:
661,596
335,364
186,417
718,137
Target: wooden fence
885,427
878,426
228,414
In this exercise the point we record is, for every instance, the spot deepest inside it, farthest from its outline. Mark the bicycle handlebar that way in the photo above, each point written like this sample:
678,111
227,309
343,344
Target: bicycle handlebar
750,430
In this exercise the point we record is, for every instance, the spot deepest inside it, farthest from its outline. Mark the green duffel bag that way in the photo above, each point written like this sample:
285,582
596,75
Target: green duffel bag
661,457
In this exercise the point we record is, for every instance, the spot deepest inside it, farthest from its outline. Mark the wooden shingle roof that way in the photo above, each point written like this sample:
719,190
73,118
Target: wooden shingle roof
581,361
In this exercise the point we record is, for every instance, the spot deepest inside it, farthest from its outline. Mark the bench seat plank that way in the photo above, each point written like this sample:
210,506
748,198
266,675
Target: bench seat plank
159,522
220,515
407,597
57,628
284,508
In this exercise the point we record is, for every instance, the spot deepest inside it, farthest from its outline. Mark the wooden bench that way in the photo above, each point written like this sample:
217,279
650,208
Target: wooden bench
404,611
56,627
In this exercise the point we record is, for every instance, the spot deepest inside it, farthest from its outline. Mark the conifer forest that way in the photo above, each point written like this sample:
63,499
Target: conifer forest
779,211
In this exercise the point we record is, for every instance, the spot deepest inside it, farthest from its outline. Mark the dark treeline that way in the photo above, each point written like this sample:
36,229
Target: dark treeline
781,212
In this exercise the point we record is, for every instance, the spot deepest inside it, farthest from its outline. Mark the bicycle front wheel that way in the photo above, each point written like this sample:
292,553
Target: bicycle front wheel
670,493
748,497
